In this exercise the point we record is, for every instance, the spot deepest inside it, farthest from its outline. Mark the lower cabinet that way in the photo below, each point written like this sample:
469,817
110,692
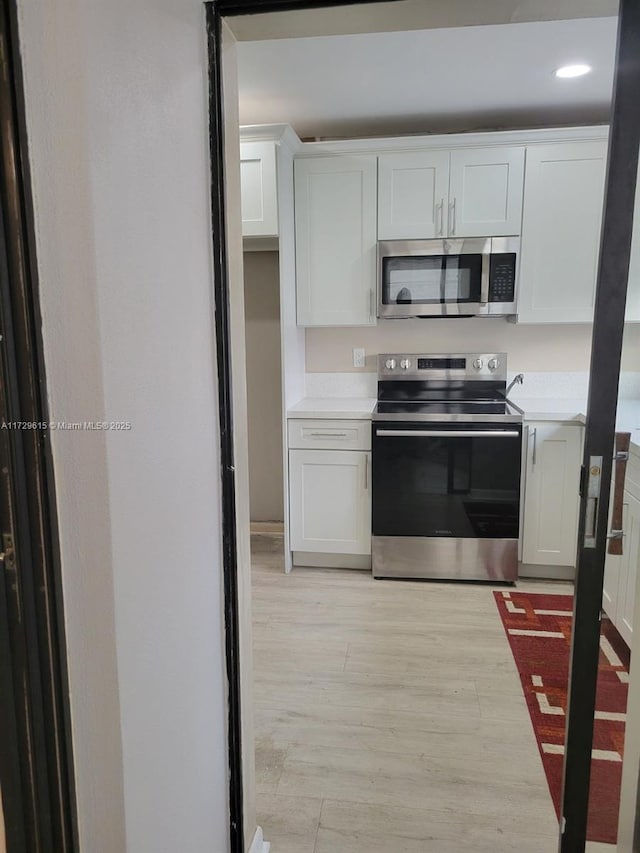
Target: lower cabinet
620,572
552,500
330,501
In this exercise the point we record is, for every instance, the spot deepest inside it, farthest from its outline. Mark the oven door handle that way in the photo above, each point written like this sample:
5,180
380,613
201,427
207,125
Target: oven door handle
448,433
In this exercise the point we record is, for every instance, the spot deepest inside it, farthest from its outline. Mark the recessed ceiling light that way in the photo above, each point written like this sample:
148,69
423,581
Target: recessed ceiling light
573,70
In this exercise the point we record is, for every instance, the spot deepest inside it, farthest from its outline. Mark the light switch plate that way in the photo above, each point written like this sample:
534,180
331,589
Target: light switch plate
358,356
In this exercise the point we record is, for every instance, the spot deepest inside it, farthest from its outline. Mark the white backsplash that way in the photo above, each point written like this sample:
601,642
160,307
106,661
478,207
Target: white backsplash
341,384
572,385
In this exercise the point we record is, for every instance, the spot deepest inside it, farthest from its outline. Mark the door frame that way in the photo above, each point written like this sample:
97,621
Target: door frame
624,141
606,355
36,762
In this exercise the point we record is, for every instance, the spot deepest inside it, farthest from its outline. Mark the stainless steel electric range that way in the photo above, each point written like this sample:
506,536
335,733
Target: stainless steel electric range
446,462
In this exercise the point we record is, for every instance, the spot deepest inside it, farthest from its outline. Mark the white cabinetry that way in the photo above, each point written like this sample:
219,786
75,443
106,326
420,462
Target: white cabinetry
413,195
485,192
258,185
330,489
621,571
335,204
562,216
552,502
467,192
632,314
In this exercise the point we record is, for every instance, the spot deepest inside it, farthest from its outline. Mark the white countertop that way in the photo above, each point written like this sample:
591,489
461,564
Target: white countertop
558,409
566,410
343,408
552,409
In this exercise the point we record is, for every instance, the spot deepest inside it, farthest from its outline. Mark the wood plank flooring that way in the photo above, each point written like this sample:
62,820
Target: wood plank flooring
389,717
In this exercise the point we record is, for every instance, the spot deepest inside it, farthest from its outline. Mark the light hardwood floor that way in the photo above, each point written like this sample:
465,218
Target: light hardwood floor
389,717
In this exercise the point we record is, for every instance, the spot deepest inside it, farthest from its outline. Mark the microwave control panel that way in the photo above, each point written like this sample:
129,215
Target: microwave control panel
502,277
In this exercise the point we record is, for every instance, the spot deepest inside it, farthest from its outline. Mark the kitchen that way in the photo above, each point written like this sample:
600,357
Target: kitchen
337,203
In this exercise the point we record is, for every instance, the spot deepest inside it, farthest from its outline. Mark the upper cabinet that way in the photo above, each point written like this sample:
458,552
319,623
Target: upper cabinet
549,190
335,204
413,195
466,192
563,196
485,192
259,190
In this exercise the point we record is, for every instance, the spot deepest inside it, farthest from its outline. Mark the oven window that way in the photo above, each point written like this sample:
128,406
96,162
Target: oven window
455,487
431,279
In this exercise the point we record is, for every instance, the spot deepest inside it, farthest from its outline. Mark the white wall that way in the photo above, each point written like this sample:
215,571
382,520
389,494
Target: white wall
264,384
116,101
538,348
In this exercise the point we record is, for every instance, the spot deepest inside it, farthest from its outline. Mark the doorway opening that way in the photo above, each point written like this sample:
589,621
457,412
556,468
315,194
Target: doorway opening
337,674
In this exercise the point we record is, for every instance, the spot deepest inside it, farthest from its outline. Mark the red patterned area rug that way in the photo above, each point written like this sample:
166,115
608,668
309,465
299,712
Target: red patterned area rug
538,628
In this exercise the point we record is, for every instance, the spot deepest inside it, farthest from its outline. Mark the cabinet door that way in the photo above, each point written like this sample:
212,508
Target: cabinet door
632,314
335,213
563,196
330,501
485,192
550,529
611,583
413,195
629,567
259,191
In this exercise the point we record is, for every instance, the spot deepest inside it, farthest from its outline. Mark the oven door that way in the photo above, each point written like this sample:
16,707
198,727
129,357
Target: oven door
446,500
425,278
458,480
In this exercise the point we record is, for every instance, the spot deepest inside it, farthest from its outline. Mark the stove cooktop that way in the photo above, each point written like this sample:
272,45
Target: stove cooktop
448,411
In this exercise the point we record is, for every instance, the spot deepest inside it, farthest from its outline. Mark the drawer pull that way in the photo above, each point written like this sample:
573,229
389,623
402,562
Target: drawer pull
329,434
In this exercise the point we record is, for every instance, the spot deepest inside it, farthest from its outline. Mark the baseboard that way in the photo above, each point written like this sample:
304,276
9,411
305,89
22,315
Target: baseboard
332,561
259,845
549,573
268,527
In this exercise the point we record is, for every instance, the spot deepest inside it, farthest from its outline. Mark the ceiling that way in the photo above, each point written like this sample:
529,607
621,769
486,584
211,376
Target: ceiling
425,81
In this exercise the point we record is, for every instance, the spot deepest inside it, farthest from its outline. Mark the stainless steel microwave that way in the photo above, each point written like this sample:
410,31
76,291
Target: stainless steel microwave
447,278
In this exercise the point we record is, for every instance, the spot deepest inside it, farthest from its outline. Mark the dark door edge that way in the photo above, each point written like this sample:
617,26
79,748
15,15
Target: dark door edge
608,328
31,452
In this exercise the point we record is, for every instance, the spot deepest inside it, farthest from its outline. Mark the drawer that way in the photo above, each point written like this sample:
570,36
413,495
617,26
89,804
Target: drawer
329,434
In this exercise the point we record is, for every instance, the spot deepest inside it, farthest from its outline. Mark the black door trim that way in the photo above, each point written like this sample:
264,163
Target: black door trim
38,648
227,455
613,271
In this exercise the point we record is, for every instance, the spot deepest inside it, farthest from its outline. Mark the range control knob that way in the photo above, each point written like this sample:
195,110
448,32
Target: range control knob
493,364
478,363
405,364
390,364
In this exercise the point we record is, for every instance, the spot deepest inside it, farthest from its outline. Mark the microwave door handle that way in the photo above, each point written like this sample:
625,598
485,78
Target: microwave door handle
485,276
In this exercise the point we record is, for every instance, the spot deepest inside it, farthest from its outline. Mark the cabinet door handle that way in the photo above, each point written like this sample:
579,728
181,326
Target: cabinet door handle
620,458
452,211
534,433
440,214
366,472
372,303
